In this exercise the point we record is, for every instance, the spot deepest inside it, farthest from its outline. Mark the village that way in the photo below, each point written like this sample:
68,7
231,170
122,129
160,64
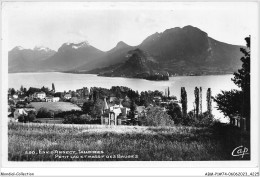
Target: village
115,106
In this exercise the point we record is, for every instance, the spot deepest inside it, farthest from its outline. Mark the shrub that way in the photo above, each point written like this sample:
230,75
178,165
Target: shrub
27,118
80,119
204,120
21,118
44,113
156,117
126,104
74,100
63,114
188,121
31,116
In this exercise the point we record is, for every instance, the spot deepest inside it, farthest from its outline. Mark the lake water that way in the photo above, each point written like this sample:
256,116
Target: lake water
66,81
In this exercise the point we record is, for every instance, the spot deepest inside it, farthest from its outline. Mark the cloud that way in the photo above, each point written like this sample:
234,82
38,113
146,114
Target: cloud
52,25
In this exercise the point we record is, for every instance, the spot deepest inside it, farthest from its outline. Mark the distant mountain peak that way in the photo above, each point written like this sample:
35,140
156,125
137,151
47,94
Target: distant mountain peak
121,44
76,45
190,27
179,51
41,48
18,48
81,45
73,46
153,37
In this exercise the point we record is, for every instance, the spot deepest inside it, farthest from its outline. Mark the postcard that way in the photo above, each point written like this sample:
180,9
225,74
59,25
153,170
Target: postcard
130,88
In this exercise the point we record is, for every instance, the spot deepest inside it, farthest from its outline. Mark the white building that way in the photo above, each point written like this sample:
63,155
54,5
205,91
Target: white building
113,114
48,99
55,99
67,96
15,96
21,111
40,95
52,99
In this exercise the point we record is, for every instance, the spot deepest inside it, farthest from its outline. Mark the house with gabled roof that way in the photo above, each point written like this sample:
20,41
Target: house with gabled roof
40,95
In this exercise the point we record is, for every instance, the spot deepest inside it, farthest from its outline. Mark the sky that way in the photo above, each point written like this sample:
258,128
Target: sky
104,24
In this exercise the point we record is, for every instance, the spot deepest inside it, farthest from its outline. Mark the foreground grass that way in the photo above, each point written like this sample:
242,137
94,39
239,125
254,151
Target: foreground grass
106,143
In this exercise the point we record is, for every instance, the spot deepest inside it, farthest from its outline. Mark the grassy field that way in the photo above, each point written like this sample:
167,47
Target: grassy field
55,106
50,120
64,142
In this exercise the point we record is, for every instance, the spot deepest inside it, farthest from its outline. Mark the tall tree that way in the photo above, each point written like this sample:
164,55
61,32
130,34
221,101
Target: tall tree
184,101
242,79
53,87
132,112
98,108
209,101
200,101
21,89
196,93
168,92
13,91
85,92
236,102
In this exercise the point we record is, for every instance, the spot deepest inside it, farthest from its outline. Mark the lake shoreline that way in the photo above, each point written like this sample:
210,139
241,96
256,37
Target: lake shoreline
70,81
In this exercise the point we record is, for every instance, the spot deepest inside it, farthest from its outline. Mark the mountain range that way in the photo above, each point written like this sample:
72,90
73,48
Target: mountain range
176,51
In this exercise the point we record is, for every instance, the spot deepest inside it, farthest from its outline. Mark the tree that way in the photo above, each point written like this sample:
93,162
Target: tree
13,91
168,92
53,87
21,118
74,100
98,108
209,102
45,89
229,102
21,89
95,95
132,112
85,92
88,107
200,101
174,110
196,93
30,117
156,117
126,104
242,79
44,113
237,102
73,94
93,108
184,101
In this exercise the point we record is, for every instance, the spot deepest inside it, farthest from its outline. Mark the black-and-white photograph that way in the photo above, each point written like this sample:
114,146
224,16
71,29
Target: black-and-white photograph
128,81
